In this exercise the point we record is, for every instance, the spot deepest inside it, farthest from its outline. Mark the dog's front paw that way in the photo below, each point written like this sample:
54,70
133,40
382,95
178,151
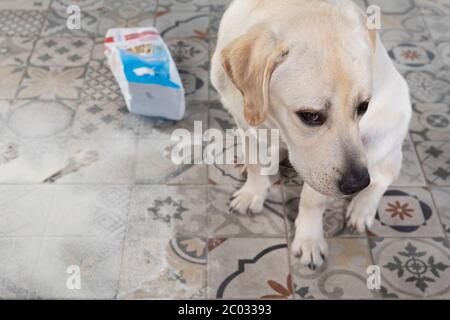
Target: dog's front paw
312,251
245,201
360,215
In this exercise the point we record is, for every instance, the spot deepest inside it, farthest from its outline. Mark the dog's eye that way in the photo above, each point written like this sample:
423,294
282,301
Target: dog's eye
362,108
311,118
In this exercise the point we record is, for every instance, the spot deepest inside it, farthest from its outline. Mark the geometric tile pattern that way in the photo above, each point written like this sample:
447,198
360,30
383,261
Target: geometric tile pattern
96,118
25,4
83,182
99,83
55,24
411,172
441,196
22,23
430,122
435,158
83,4
62,51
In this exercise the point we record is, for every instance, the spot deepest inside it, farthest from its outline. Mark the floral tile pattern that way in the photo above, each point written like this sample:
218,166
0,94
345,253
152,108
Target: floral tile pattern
48,83
162,212
413,56
248,268
185,31
343,275
429,86
413,268
84,183
406,212
189,52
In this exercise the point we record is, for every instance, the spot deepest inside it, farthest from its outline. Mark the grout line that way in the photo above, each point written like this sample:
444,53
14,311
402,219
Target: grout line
415,144
438,212
123,241
288,242
41,244
435,43
35,38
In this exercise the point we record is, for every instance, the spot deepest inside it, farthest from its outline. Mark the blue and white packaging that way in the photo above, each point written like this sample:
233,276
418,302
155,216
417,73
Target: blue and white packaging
145,72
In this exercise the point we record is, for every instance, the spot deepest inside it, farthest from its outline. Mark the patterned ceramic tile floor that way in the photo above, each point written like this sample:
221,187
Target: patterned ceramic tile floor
85,183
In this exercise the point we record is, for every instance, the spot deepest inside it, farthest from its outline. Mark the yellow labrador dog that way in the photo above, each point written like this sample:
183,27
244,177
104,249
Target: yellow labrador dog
313,70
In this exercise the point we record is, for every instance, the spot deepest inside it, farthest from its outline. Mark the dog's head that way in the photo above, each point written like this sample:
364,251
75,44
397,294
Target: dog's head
313,81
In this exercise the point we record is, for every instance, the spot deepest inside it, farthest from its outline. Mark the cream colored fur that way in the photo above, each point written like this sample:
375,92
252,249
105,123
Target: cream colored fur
275,58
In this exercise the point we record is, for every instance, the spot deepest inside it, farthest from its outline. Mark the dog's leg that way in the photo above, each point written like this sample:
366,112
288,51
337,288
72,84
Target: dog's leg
362,209
250,198
309,242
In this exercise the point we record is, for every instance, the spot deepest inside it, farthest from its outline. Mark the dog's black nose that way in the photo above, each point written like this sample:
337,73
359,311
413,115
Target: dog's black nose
355,181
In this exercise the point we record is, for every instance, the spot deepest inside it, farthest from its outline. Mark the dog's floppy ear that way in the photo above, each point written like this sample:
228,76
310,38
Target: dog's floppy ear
249,62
